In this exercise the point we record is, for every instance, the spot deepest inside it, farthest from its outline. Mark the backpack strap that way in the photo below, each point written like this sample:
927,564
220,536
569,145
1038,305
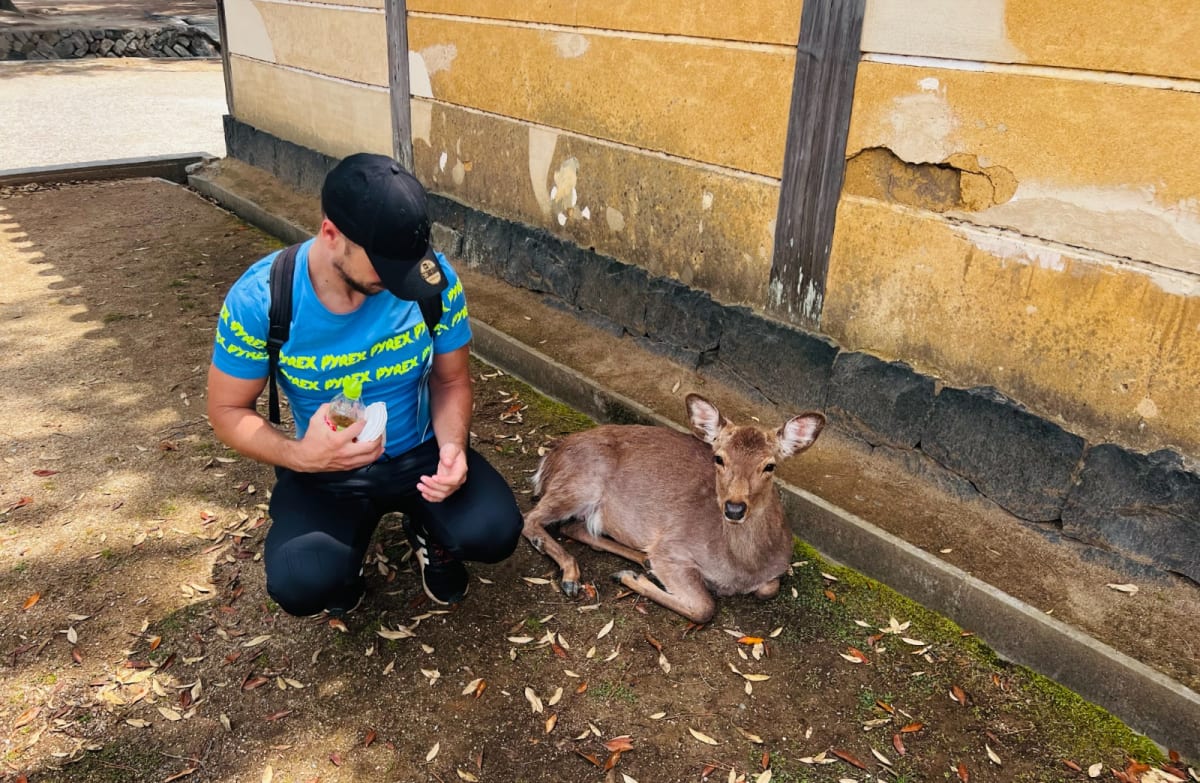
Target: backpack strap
431,309
283,270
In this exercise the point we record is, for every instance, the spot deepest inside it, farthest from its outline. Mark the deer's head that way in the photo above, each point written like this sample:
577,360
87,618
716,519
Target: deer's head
744,457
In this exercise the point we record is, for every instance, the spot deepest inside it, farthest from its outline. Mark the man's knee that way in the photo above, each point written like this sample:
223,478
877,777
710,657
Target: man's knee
490,538
301,580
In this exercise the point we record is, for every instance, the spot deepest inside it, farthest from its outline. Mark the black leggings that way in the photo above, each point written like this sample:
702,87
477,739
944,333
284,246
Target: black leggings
322,523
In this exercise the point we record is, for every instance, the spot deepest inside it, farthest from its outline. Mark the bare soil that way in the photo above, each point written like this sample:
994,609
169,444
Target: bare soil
139,644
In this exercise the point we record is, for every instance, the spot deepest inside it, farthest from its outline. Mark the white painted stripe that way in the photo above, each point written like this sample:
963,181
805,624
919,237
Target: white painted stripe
315,74
329,6
1043,71
724,171
596,32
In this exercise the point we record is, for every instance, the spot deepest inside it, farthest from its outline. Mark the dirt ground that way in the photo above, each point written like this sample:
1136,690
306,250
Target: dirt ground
139,644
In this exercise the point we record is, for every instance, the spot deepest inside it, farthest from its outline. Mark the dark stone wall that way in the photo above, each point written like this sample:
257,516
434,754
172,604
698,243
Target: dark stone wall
1142,509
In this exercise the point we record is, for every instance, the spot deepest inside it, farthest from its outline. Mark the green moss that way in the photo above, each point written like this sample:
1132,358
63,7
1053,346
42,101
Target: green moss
1077,728
612,691
1073,726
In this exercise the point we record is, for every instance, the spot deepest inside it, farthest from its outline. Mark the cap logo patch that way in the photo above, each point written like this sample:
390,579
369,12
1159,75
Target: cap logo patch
430,272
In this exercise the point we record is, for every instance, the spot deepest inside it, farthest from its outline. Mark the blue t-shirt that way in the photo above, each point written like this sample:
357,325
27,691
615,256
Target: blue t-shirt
384,343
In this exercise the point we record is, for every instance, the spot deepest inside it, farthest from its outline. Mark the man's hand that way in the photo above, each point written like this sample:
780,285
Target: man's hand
323,449
451,474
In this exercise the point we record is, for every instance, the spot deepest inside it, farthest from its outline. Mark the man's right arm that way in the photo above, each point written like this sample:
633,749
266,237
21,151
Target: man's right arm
236,422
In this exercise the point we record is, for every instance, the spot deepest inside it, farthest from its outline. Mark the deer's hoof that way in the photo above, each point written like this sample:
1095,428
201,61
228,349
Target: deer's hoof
571,589
619,576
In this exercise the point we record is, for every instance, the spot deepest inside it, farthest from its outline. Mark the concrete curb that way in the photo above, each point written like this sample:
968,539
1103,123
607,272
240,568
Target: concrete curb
1143,698
168,167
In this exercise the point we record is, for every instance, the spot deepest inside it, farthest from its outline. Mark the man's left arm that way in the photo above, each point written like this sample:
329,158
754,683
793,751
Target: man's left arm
450,398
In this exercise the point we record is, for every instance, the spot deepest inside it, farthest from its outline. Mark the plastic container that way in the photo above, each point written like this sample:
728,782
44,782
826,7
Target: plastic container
347,407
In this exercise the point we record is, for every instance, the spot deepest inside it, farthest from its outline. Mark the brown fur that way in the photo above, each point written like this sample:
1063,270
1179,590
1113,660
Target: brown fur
659,498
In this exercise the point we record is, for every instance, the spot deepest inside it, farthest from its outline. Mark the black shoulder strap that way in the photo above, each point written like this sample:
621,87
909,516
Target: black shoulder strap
282,272
431,310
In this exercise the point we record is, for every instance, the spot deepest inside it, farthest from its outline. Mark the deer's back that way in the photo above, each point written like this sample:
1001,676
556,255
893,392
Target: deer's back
642,480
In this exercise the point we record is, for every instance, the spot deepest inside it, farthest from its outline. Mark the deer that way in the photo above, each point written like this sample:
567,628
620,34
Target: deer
699,511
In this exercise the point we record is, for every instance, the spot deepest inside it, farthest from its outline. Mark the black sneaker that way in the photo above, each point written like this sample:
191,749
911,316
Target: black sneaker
442,576
351,598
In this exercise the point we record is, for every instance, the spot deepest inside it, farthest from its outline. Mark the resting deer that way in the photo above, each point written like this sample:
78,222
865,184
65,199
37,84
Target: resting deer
700,514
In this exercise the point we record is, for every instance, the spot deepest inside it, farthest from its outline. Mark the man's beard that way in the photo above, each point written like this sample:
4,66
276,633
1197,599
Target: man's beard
356,285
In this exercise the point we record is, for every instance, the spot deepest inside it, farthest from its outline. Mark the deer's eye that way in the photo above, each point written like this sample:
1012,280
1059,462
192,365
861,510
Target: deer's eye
718,460
769,467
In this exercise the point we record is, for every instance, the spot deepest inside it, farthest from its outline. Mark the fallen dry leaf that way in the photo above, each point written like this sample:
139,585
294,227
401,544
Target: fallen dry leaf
30,601
991,754
595,761
849,758
909,728
707,740
963,774
619,744
535,701
958,695
432,754
1130,589
757,740
898,744
551,722
605,630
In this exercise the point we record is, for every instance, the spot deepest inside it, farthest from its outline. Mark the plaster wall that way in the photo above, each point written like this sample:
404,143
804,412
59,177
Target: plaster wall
1017,212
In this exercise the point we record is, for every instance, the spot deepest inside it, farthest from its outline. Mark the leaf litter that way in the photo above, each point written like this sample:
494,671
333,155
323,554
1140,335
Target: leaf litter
295,653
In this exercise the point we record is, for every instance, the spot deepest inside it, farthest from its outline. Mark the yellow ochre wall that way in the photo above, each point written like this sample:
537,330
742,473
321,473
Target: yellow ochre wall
1021,208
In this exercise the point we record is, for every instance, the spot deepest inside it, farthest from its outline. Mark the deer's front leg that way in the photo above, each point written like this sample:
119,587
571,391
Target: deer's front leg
536,534
685,592
768,590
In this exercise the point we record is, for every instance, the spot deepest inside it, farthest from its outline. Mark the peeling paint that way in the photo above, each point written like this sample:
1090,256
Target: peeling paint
419,84
948,28
570,44
1147,409
542,143
422,121
459,173
1017,249
616,221
929,84
247,31
587,213
921,127
438,58
564,196
1126,222
706,201
442,161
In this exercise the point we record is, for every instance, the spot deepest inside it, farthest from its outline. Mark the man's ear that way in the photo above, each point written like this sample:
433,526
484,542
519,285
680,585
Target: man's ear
328,232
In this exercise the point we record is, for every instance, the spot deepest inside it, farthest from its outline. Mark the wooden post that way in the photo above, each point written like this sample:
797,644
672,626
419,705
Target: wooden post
223,32
814,161
396,16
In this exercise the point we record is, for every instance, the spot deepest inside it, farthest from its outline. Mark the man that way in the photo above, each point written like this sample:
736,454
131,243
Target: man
355,318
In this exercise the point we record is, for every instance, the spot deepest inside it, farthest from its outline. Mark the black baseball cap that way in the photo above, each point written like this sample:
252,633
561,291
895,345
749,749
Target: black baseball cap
380,206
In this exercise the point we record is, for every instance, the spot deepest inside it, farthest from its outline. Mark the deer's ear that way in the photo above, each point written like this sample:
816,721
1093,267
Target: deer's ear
799,432
705,419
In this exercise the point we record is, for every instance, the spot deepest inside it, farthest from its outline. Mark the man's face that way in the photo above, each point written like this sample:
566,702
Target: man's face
356,269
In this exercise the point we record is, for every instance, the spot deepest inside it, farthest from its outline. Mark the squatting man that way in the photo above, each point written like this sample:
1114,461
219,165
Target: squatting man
355,315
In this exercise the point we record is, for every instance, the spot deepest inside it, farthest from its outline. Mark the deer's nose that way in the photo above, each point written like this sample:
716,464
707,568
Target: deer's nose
734,511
